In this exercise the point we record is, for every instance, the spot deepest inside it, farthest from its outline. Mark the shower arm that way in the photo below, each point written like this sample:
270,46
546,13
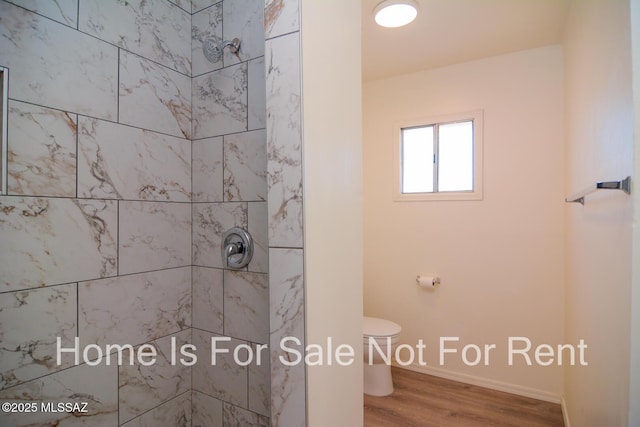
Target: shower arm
234,45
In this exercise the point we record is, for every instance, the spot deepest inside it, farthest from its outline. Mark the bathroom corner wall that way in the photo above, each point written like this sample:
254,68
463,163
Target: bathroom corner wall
285,221
96,223
599,115
332,94
229,189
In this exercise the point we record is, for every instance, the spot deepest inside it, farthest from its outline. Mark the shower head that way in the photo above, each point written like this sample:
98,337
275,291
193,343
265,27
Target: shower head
213,51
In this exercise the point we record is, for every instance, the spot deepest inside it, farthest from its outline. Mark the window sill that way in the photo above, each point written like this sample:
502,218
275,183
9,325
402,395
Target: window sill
442,196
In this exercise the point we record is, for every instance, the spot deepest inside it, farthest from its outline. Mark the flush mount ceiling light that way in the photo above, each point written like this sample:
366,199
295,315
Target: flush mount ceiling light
395,13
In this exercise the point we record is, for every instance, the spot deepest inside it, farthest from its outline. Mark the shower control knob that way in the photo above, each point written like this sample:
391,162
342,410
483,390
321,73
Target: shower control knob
236,248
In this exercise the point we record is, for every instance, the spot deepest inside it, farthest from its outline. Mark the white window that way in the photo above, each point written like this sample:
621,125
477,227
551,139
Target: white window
439,158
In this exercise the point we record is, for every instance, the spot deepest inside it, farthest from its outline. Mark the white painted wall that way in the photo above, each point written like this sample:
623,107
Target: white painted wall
331,83
599,134
501,259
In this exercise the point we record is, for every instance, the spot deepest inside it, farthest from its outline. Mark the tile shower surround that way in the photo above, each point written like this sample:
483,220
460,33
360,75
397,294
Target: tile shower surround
129,154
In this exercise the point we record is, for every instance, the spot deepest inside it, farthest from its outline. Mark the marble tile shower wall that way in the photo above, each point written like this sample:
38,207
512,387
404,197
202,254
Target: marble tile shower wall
229,173
129,156
96,221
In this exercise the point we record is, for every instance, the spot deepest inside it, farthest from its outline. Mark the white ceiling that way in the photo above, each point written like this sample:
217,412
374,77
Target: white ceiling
453,31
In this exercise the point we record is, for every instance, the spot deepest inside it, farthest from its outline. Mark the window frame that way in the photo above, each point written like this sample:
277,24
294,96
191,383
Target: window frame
476,194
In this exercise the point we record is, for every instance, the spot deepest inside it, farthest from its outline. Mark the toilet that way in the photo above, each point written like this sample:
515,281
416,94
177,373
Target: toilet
377,372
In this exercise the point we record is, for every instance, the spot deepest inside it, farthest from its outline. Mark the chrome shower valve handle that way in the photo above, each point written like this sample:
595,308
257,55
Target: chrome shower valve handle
236,248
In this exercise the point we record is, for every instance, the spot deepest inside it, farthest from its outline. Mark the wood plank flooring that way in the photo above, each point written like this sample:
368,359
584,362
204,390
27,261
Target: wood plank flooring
426,401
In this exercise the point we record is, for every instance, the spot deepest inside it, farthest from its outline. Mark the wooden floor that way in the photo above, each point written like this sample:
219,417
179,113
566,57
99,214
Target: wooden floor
425,401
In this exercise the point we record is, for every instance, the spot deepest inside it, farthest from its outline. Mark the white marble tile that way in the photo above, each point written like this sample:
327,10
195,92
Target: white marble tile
219,102
183,4
41,151
154,97
258,230
210,222
154,235
288,395
174,413
30,322
224,379
244,19
117,161
97,386
206,169
208,299
198,5
245,165
52,241
156,30
206,411
286,302
284,143
142,388
286,294
63,11
259,384
281,17
56,66
235,416
206,24
136,308
257,94
246,305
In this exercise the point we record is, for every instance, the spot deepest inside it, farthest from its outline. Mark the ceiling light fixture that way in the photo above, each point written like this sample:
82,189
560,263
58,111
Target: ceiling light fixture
395,13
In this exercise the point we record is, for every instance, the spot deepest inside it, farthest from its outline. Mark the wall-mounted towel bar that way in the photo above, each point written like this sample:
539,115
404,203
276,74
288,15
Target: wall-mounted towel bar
624,185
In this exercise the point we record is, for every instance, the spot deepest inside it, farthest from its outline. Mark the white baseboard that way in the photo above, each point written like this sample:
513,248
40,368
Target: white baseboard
488,383
565,413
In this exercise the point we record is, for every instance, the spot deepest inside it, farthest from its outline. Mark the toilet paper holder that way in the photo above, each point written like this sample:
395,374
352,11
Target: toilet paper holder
427,281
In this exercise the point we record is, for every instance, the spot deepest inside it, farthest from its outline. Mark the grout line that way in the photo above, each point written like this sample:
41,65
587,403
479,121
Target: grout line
118,87
118,238
118,391
78,310
104,356
104,120
93,279
281,35
247,95
77,153
151,409
164,202
244,340
44,16
36,288
224,280
229,134
4,131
